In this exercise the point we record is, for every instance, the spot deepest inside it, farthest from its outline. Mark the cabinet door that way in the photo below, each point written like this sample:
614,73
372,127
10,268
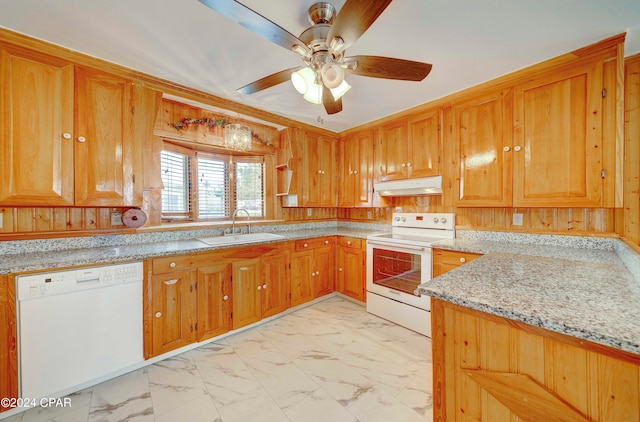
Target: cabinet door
9,379
482,131
275,284
392,151
558,139
363,169
324,266
347,148
107,160
246,286
214,310
301,269
319,183
351,273
423,148
36,127
172,297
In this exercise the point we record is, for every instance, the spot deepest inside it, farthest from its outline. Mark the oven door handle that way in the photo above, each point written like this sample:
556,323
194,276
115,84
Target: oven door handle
394,245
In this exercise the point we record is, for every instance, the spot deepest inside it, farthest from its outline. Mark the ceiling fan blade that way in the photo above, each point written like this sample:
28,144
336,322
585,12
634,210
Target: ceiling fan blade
330,105
257,23
355,17
268,81
388,68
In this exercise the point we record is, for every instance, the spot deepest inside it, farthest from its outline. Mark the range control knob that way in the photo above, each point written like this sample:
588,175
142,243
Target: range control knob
397,218
435,219
404,219
443,220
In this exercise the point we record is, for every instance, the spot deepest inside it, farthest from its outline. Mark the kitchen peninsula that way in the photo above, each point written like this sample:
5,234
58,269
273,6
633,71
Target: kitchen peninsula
541,331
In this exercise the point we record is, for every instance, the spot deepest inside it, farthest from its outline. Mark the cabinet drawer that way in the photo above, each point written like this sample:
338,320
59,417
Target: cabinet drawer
453,257
171,264
303,245
349,242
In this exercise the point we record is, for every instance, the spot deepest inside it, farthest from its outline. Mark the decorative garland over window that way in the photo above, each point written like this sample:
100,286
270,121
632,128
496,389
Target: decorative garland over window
187,122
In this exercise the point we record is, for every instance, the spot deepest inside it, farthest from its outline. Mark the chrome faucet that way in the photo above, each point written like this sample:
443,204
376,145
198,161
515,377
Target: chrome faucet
233,221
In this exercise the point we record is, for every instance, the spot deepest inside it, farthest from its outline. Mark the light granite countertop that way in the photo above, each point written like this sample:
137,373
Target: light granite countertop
588,292
93,255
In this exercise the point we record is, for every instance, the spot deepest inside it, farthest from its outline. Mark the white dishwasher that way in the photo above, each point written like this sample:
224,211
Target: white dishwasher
77,327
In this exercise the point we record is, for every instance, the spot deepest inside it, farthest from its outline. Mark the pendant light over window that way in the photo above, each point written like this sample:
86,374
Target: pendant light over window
237,137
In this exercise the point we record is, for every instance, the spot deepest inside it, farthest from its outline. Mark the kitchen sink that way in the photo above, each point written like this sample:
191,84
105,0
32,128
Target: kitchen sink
239,238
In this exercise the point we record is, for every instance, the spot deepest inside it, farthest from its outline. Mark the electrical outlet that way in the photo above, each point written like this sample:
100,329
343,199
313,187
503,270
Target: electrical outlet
116,218
1,215
517,219
309,212
369,215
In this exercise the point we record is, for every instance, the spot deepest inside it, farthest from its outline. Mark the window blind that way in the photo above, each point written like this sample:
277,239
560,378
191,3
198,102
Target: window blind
175,173
213,188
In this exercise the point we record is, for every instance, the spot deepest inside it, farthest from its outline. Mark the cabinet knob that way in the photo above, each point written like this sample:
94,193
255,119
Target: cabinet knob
264,286
305,245
506,149
517,148
340,269
355,172
463,260
350,172
326,242
158,314
317,272
225,297
66,135
408,164
81,139
348,242
313,274
259,287
172,265
403,165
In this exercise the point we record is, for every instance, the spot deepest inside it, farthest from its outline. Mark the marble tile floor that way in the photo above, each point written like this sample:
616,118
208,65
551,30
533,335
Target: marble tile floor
331,361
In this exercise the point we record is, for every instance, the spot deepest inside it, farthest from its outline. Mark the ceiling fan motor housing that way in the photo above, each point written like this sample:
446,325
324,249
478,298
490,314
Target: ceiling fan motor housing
321,12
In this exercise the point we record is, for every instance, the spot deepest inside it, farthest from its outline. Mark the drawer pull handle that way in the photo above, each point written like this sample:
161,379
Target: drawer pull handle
172,265
305,245
348,242
463,260
326,242
169,282
225,297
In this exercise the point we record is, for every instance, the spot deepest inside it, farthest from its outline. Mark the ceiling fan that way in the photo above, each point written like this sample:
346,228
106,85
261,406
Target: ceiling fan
322,48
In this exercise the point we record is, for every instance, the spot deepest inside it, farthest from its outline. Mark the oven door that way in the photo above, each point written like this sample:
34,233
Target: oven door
395,271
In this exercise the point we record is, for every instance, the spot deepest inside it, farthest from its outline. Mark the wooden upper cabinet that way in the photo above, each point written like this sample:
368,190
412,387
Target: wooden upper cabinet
423,146
107,157
355,170
558,139
392,150
36,126
67,134
482,137
410,147
318,185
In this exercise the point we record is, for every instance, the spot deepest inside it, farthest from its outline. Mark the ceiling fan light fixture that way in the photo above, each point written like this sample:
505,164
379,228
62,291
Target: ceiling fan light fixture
336,45
302,79
332,75
314,94
340,90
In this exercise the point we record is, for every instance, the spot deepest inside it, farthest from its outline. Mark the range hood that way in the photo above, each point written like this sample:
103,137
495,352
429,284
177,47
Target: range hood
410,187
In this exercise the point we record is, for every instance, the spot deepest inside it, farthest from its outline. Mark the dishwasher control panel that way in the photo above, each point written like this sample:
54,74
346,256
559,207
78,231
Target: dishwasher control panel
57,282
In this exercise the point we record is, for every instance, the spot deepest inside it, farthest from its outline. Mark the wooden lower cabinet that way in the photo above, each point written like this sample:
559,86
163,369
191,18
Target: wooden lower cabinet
445,260
312,269
8,368
276,286
173,323
488,368
246,291
214,300
350,277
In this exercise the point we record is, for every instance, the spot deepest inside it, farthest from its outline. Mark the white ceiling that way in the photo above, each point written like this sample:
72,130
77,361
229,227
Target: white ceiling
467,41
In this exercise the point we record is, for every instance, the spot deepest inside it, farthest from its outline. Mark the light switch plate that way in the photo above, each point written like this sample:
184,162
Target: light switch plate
517,219
1,215
309,211
116,219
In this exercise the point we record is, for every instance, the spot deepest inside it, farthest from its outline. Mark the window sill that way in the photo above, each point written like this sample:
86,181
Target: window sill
165,227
